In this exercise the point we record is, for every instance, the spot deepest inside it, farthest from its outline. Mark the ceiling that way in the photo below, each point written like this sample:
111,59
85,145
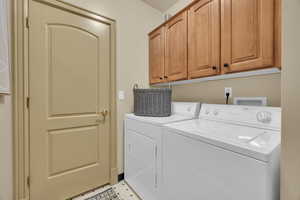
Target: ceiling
161,5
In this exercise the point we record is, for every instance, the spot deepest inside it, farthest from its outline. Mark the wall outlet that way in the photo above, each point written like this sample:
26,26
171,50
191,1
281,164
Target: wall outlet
228,90
121,95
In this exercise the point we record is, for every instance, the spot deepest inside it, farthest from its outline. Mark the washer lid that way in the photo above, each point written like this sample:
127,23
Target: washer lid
250,141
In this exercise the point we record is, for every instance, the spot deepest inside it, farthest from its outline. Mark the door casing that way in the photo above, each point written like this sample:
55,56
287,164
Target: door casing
21,87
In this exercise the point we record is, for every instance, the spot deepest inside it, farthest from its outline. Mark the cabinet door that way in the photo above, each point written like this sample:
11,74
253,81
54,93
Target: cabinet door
157,56
176,48
278,34
204,39
247,28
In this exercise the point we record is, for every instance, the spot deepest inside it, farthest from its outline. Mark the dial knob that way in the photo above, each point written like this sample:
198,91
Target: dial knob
264,117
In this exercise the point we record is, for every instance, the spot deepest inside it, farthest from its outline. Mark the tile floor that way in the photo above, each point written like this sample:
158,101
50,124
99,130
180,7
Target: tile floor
122,190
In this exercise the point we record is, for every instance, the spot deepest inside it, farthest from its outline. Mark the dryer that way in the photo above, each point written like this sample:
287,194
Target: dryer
229,153
143,148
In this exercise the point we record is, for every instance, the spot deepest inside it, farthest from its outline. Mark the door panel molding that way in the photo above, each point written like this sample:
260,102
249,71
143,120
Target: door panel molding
20,91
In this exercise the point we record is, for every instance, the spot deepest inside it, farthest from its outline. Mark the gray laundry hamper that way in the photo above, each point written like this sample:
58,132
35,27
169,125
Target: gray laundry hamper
152,102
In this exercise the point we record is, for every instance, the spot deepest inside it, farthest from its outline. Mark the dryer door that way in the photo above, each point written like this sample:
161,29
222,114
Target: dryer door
140,164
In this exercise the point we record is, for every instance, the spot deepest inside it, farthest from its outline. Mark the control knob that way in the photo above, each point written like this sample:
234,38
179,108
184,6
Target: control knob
264,117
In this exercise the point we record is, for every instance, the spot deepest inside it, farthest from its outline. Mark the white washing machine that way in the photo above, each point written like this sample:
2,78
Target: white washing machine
143,148
229,153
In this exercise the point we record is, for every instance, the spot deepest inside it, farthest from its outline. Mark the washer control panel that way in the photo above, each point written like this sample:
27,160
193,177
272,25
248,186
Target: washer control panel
269,117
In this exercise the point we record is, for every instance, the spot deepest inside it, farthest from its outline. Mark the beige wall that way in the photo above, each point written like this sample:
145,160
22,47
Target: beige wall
213,91
290,102
6,149
134,20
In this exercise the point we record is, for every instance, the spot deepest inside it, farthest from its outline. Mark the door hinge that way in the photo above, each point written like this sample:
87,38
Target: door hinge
28,181
27,102
27,22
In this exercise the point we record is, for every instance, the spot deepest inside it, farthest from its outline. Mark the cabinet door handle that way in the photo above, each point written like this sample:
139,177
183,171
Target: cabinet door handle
166,76
226,65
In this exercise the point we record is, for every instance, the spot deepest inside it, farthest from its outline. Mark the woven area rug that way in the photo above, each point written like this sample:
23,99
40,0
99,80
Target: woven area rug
108,194
120,191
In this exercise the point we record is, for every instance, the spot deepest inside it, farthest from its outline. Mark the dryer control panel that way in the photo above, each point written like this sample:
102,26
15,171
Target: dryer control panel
189,109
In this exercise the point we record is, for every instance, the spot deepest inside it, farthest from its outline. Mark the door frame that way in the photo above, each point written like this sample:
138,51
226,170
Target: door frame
21,165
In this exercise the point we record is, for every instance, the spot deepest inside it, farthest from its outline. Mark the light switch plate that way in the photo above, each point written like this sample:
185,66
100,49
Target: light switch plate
121,95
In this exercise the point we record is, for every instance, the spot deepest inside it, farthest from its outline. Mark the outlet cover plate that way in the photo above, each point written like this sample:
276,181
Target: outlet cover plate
228,90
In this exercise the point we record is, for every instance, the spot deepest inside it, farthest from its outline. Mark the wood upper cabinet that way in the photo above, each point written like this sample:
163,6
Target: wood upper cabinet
176,48
212,37
247,28
157,56
204,39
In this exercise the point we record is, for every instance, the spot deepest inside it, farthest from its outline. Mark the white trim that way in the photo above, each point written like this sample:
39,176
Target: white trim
224,76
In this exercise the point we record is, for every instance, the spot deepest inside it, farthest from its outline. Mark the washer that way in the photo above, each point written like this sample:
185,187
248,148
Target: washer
229,153
143,148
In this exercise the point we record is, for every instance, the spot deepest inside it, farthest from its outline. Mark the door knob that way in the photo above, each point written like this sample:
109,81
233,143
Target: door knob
104,113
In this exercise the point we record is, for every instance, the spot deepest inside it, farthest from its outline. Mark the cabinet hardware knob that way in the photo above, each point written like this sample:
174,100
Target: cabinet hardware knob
214,68
161,78
166,76
226,65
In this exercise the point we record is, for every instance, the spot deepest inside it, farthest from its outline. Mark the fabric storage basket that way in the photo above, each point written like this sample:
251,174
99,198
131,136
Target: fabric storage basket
152,102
